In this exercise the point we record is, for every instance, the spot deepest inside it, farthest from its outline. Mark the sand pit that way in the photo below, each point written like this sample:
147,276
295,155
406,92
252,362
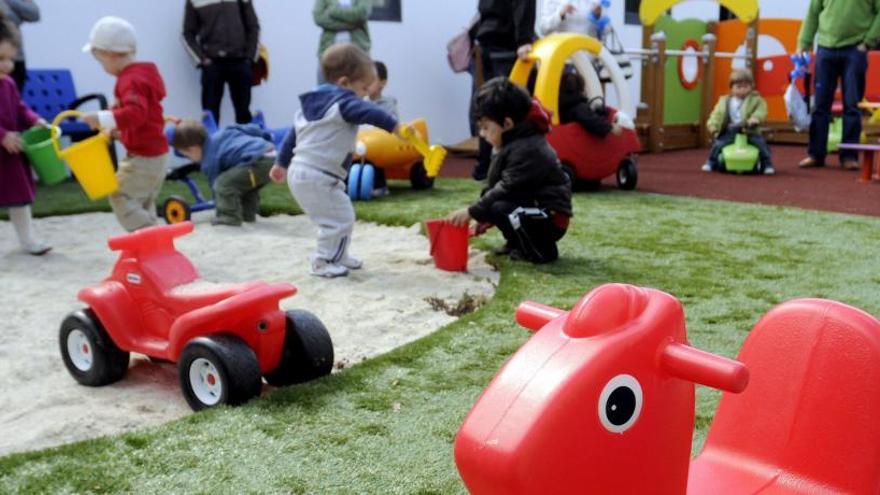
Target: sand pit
371,312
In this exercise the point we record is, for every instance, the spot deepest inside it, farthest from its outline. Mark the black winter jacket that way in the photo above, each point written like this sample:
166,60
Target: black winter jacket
220,29
505,24
525,172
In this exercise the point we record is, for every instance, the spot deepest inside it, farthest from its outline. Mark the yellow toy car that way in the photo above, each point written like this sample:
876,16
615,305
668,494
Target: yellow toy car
379,155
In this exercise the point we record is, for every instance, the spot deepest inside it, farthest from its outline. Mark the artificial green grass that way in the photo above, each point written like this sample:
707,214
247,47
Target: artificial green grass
387,425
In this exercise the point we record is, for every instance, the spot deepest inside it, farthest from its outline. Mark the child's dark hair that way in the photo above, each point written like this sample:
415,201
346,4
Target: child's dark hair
499,99
381,70
346,60
8,31
189,133
572,83
739,76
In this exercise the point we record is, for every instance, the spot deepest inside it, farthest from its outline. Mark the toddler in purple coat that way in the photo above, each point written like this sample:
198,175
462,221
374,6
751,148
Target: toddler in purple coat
16,181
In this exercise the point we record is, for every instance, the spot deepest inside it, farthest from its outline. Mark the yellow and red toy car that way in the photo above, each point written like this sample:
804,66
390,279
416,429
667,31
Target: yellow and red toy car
380,154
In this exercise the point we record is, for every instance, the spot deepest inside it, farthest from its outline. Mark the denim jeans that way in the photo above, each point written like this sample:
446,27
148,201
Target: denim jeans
849,65
728,136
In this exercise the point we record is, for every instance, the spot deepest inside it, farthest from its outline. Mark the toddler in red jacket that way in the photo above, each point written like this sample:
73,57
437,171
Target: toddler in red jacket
136,119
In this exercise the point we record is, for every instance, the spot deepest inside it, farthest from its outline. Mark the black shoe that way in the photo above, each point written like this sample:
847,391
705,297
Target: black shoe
517,255
505,249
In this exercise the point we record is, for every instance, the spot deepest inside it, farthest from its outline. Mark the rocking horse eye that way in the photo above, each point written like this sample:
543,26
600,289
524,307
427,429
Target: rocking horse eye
620,403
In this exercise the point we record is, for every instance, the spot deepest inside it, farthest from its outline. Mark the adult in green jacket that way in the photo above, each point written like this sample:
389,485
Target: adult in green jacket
845,29
342,21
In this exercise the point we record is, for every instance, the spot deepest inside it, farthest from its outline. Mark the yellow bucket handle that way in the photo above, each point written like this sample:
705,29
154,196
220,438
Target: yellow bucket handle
56,130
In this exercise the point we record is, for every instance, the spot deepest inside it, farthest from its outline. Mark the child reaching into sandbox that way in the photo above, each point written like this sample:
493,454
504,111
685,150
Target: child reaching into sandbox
17,187
317,152
236,161
527,196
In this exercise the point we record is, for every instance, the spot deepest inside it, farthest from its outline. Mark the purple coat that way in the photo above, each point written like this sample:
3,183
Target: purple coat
16,182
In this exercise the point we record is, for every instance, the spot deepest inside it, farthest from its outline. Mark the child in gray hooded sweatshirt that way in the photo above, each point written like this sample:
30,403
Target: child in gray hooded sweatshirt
317,153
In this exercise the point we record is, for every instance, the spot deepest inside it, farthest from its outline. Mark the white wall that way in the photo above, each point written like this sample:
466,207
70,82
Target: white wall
414,50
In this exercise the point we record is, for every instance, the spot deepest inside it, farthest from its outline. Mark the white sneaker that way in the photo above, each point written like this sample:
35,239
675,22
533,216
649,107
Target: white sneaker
37,248
351,262
323,268
769,171
706,167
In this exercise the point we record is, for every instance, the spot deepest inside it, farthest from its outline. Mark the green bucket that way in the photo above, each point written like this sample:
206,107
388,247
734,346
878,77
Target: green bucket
37,143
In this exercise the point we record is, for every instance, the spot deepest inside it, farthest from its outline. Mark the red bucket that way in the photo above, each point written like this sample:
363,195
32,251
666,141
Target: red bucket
449,245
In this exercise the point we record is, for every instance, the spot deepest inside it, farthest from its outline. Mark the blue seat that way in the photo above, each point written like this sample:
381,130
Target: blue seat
51,91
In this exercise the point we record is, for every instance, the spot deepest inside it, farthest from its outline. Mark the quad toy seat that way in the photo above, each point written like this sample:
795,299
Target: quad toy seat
200,293
807,423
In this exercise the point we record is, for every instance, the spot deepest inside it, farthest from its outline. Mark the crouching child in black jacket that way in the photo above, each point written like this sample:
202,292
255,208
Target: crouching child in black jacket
527,195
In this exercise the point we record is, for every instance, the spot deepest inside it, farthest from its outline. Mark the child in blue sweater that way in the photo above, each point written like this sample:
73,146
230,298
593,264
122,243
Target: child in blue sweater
236,160
317,153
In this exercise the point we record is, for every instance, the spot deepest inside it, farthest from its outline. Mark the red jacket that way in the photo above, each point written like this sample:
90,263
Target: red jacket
138,110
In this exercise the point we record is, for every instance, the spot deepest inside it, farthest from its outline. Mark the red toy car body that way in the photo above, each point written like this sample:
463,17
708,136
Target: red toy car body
224,337
589,158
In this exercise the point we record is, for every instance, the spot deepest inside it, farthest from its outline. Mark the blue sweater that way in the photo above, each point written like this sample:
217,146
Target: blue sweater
327,125
238,145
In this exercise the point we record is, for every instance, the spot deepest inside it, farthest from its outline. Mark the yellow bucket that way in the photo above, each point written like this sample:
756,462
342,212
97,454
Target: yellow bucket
88,159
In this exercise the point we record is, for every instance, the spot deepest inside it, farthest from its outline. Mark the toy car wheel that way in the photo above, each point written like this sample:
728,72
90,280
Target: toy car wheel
368,178
572,178
89,353
308,351
175,210
220,369
354,181
627,175
418,177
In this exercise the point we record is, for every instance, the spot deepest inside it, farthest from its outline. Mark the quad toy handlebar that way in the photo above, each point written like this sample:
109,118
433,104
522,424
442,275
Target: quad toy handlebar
150,238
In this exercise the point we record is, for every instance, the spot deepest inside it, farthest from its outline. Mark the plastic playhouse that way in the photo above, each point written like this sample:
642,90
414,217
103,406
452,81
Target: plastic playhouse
225,338
602,396
379,152
584,157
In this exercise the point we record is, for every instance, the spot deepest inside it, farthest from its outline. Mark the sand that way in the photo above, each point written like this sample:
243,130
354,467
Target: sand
369,313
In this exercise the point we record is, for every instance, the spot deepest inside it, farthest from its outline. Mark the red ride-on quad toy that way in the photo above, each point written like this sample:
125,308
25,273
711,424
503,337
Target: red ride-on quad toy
223,337
587,159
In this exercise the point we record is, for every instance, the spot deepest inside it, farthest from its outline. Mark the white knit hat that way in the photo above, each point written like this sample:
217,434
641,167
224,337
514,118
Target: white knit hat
114,34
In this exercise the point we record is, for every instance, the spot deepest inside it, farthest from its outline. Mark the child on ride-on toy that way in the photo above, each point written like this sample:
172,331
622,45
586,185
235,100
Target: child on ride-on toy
236,161
575,107
741,111
386,102
527,196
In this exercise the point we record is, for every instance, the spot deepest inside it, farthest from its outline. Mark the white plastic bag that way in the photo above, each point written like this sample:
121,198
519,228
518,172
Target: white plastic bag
798,113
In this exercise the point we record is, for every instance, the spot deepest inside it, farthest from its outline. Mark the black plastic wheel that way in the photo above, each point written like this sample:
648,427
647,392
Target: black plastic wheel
627,174
89,353
220,369
418,177
572,177
175,210
308,351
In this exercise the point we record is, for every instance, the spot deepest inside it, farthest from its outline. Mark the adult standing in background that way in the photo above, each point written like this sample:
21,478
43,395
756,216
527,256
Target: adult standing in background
571,16
342,21
505,31
845,30
222,37
19,11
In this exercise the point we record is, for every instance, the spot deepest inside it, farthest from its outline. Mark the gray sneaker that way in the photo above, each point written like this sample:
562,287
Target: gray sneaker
323,268
769,170
706,167
351,262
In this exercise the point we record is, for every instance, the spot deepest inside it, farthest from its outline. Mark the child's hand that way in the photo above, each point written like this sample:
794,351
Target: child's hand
92,120
12,143
277,173
524,51
616,130
459,218
753,122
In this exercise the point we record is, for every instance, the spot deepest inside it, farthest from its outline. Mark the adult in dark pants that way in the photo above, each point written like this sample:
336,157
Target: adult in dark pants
18,12
222,37
845,30
505,31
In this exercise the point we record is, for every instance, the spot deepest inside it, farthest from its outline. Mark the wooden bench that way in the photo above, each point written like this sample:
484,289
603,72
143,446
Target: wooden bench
868,151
